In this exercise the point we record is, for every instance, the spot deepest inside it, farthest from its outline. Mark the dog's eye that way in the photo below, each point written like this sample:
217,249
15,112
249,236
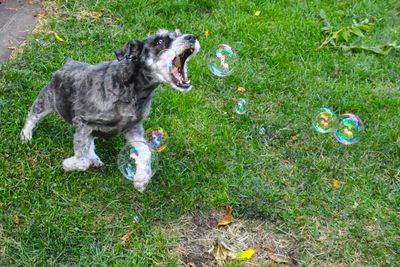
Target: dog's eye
160,43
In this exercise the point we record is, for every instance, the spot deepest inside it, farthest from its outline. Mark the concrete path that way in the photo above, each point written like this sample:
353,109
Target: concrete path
17,19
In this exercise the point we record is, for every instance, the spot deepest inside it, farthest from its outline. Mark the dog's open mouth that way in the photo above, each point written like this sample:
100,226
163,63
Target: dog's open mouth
178,69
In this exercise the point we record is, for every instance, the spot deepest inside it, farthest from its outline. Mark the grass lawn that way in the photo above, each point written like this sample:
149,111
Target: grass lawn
215,156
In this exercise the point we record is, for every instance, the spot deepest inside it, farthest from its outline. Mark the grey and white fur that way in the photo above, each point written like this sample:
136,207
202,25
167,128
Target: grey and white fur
114,97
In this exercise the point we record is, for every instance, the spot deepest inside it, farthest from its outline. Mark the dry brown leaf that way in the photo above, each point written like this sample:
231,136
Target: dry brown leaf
221,252
126,236
16,219
278,259
228,218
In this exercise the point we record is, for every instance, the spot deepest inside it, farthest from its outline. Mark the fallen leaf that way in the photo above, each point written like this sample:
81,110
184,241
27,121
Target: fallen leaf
335,183
278,259
221,252
285,161
191,264
355,205
206,33
16,219
258,12
247,254
126,236
58,37
228,218
241,89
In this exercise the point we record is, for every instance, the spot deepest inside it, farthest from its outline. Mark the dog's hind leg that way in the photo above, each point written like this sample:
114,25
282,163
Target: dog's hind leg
42,106
142,177
82,144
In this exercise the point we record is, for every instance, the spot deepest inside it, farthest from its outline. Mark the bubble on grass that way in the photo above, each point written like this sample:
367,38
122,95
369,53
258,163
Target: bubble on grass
261,131
324,120
348,129
222,60
135,219
127,159
240,107
157,139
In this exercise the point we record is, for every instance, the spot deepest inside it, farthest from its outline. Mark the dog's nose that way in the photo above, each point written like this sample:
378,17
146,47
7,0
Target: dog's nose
191,38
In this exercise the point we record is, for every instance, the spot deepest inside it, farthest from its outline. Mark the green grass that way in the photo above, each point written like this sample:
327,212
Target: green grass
215,157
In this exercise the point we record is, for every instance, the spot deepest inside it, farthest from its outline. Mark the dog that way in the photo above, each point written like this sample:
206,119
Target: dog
115,97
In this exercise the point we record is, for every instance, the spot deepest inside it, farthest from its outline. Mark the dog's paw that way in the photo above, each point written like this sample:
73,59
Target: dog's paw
96,162
76,164
141,181
25,136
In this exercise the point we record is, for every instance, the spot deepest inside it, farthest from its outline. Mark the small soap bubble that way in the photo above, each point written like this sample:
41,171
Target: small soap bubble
128,156
222,60
240,107
135,219
261,131
324,120
157,139
348,129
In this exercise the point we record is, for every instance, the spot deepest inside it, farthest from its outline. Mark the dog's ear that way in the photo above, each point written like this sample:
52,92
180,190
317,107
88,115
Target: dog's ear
131,50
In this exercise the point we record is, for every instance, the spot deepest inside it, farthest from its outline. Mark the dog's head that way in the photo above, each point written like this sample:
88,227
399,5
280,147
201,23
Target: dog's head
166,54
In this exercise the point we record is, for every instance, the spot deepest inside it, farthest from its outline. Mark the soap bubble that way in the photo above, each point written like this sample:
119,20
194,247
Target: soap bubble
349,129
240,106
127,160
324,120
157,139
222,60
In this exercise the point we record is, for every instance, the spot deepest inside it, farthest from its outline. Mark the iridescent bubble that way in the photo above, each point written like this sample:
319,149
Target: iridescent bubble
222,60
157,139
128,156
324,120
348,129
240,107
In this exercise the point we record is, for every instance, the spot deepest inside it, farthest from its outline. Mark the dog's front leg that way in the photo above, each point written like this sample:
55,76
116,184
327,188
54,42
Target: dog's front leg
135,137
82,144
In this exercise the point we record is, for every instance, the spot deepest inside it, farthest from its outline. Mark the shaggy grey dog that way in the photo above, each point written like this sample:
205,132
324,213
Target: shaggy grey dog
114,97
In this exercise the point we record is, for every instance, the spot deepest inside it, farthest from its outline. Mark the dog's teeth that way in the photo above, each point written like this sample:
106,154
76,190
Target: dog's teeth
188,81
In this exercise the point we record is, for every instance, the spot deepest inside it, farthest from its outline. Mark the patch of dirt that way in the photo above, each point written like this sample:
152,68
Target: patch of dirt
197,234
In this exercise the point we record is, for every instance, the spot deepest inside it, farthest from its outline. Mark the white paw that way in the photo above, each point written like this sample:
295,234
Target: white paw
76,164
95,162
26,136
141,180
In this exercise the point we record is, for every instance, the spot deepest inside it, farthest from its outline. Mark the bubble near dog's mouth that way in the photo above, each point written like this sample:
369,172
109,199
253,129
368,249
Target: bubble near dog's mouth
178,69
